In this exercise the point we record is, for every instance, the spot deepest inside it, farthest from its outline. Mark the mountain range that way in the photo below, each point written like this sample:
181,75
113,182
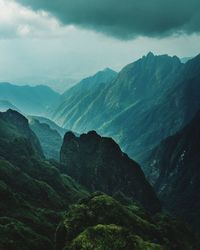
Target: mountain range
36,210
144,103
38,100
148,101
67,190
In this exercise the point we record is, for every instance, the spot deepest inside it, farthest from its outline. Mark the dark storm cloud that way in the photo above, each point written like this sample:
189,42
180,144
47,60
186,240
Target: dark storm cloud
126,19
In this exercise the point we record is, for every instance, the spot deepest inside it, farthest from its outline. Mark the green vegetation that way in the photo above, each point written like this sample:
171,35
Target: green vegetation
100,222
15,235
34,194
36,211
106,237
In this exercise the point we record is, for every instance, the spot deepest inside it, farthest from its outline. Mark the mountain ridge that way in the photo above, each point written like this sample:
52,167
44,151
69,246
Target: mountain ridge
173,169
35,100
113,109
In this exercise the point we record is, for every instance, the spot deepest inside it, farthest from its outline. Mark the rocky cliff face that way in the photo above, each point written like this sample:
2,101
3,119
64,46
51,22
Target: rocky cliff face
173,169
99,164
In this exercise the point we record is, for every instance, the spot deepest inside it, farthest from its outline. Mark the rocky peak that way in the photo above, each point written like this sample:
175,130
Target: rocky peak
14,127
15,118
99,164
150,55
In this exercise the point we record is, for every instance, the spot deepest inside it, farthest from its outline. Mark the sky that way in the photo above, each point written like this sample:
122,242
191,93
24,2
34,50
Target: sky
60,42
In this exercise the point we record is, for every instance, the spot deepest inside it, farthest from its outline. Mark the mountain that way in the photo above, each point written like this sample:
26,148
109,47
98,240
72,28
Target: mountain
50,139
173,169
98,164
114,108
15,135
76,100
148,101
38,100
34,194
101,222
5,105
140,128
59,83
36,210
49,122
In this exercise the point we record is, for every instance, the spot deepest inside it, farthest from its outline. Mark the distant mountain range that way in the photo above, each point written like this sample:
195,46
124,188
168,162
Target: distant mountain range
38,100
5,105
147,101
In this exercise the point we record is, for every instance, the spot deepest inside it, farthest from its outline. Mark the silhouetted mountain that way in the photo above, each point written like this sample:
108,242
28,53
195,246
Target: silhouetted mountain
173,169
100,222
50,139
38,100
98,164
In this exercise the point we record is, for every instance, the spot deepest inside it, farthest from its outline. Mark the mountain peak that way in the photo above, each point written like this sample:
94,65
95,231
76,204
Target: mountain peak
106,73
150,54
13,115
109,70
69,136
99,164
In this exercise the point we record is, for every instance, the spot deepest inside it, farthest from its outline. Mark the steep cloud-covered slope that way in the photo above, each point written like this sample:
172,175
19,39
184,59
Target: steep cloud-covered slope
98,164
36,100
173,169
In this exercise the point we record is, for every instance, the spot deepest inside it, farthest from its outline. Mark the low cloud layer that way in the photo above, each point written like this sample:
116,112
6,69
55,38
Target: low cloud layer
128,18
